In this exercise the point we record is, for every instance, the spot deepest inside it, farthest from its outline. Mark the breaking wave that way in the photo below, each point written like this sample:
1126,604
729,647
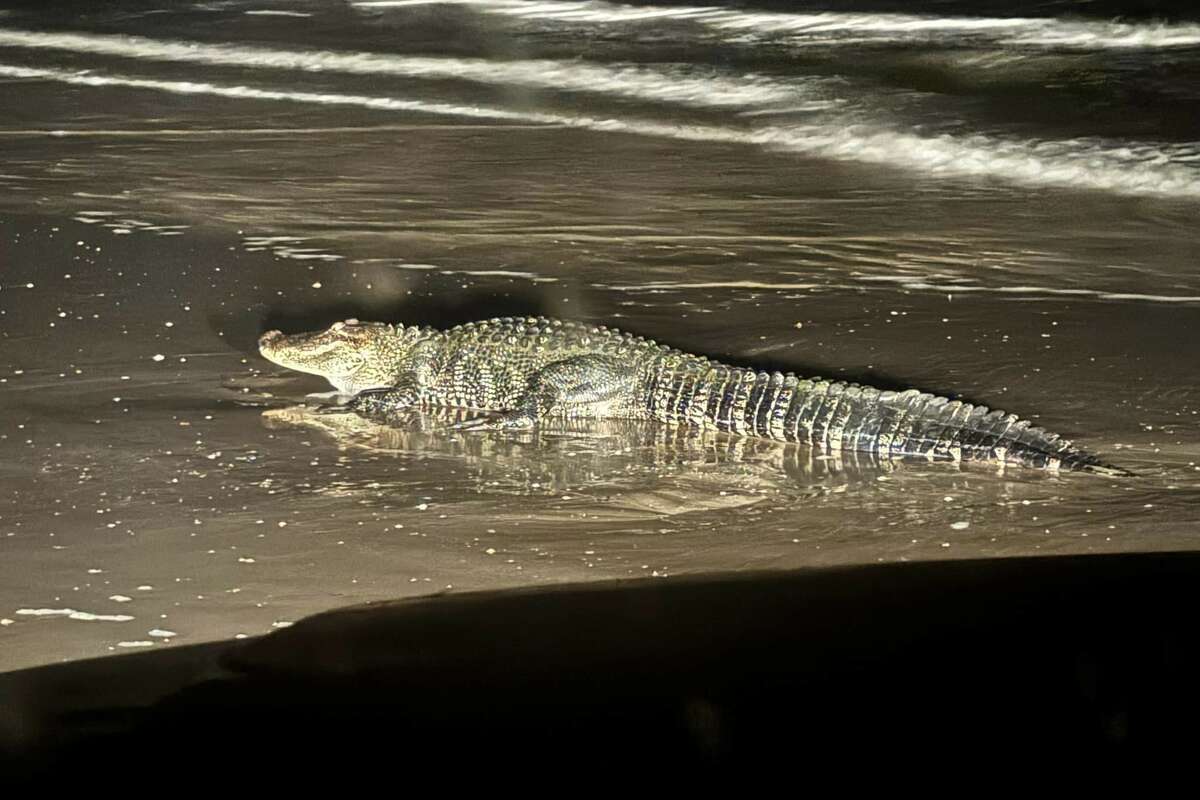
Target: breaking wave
683,85
1130,168
833,27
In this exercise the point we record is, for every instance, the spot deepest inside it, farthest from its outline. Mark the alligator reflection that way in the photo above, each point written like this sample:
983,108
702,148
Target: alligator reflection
576,454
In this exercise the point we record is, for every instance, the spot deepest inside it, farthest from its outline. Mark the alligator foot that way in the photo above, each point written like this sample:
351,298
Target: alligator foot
334,398
382,401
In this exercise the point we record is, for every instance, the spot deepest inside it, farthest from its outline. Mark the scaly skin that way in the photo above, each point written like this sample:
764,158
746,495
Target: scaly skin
527,369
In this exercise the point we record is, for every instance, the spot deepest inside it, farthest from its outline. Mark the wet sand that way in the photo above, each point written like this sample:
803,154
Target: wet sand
156,501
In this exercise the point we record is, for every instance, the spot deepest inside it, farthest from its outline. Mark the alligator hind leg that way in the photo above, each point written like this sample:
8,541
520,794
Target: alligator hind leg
580,386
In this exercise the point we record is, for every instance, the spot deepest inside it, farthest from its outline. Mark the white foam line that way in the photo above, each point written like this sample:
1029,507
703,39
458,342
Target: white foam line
88,78
263,240
1028,292
673,285
45,612
654,84
832,27
203,132
89,617
1130,168
1047,290
564,11
904,282
484,273
71,613
1134,168
1113,35
502,273
270,13
910,282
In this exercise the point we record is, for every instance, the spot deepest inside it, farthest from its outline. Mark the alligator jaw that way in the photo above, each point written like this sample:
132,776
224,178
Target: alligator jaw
297,351
314,353
353,356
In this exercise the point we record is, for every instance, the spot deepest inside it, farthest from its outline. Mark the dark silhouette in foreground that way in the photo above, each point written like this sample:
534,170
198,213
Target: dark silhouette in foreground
1092,656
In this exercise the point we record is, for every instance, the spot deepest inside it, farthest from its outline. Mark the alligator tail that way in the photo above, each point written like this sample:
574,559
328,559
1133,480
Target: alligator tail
835,415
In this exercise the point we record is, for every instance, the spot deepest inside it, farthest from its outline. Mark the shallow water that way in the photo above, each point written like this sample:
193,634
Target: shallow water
998,208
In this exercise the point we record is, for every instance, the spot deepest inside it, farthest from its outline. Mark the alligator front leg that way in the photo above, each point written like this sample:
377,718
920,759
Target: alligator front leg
382,402
377,402
580,386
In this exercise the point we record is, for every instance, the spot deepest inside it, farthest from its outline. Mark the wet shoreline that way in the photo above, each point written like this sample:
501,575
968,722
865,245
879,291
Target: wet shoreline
164,473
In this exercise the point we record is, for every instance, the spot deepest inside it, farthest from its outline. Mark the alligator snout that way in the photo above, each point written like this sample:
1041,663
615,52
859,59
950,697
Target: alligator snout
270,342
269,338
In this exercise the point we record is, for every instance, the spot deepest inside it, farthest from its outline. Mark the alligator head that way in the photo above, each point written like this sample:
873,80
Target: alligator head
353,356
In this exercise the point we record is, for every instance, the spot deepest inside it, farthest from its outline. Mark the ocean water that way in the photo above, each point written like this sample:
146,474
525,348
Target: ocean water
992,201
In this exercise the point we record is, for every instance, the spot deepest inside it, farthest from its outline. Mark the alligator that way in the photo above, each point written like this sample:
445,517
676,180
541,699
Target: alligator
526,369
